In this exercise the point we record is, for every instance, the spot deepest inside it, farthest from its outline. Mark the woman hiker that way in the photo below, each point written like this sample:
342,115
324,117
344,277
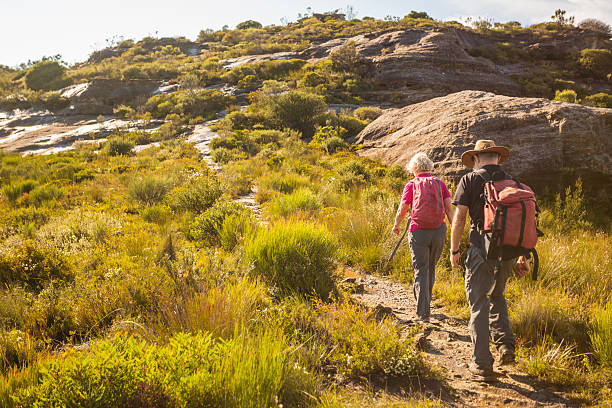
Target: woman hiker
430,201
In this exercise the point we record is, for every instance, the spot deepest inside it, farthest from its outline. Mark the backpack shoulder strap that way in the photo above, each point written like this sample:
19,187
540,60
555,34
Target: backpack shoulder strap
484,174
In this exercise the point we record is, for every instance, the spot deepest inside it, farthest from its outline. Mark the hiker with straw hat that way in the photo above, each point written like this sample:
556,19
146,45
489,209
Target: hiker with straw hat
485,290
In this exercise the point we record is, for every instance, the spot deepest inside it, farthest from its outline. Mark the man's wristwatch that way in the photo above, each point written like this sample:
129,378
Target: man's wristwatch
455,252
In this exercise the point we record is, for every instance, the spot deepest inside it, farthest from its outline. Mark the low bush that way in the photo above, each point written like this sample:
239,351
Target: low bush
205,228
149,189
294,257
597,62
118,146
567,95
13,191
303,199
285,183
600,100
45,194
197,196
17,349
367,113
157,213
234,229
296,110
34,266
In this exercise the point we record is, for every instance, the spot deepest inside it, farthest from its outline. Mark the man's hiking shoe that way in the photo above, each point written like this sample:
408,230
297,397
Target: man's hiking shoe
506,355
479,374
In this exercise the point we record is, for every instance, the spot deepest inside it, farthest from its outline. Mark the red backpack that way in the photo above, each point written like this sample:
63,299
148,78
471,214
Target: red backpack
509,218
427,202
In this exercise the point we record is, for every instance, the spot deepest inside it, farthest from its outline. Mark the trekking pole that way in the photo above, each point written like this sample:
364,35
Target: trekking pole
398,244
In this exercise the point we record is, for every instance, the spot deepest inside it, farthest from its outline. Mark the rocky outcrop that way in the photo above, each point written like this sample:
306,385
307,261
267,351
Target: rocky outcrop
40,132
252,59
546,138
430,58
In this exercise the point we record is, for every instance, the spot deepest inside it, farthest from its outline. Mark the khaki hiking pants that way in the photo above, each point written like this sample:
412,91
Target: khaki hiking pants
488,308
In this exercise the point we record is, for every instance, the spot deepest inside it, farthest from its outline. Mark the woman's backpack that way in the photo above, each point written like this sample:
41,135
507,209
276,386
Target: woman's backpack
427,202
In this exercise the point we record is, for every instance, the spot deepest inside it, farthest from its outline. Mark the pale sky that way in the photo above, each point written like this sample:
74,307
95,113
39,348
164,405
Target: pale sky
30,29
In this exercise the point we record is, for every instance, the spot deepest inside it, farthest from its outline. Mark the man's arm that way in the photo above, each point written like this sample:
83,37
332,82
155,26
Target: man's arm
399,216
456,231
449,210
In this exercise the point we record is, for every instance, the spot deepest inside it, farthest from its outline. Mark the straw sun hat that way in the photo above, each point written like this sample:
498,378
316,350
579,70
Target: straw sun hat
484,146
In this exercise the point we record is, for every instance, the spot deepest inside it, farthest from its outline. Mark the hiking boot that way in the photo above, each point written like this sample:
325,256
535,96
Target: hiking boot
480,374
506,355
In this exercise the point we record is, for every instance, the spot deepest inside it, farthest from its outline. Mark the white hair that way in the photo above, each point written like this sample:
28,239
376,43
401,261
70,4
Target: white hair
420,162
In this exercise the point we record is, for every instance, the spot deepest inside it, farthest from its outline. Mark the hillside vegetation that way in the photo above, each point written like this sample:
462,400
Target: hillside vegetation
139,279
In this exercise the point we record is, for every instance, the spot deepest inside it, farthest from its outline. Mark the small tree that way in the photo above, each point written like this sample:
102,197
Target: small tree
347,59
248,24
418,14
595,25
561,20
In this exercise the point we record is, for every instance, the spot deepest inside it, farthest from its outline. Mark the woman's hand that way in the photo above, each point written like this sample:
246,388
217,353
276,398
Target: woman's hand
396,229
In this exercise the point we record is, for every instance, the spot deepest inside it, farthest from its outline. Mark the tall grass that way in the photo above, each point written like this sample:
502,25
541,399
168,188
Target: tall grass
301,200
220,311
601,335
192,370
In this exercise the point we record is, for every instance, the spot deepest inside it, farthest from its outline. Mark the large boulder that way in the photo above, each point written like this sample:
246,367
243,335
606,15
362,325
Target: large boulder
547,139
434,58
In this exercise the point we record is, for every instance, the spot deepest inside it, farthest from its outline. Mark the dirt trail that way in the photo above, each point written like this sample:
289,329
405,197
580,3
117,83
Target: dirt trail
447,346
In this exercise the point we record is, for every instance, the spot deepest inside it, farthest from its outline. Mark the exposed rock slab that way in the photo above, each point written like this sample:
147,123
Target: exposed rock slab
545,137
434,58
41,132
251,59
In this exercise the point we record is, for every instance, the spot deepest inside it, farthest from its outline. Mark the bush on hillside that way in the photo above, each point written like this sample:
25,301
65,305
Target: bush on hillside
148,189
367,113
118,146
33,267
600,100
595,25
348,59
597,62
45,76
297,110
294,257
303,199
205,228
567,95
248,24
197,196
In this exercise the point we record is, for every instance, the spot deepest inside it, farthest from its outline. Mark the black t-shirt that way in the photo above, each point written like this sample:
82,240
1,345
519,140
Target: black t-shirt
470,193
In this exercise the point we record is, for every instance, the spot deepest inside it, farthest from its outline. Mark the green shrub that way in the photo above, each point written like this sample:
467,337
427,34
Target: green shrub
294,257
46,76
198,196
13,191
597,62
33,266
313,79
205,228
248,24
123,111
149,189
52,101
600,100
299,200
567,95
118,146
335,144
45,194
601,336
367,113
297,110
